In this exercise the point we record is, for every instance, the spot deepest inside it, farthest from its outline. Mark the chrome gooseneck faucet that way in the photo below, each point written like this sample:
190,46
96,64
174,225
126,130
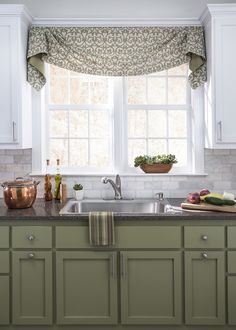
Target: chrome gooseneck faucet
115,185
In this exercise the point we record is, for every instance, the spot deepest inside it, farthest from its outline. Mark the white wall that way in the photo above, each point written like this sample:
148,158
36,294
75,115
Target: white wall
116,8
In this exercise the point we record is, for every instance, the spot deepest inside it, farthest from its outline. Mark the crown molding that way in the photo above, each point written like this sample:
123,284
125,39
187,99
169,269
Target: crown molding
7,10
114,22
216,10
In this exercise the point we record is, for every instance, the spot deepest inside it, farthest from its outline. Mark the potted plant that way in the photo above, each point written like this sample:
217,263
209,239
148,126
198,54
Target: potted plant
78,191
155,164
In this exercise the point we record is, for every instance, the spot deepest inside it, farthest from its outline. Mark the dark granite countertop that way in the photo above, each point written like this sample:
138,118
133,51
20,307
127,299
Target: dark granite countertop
47,211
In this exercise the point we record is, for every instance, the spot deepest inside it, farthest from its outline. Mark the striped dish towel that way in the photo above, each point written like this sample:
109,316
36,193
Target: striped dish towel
101,228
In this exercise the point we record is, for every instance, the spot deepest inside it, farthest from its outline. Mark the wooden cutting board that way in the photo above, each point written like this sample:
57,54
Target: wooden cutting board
209,207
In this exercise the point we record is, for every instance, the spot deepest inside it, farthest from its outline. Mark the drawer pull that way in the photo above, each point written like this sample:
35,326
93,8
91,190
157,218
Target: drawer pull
204,255
31,255
31,237
204,237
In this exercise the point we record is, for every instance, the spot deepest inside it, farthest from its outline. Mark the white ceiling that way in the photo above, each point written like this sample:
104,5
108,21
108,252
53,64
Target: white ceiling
109,9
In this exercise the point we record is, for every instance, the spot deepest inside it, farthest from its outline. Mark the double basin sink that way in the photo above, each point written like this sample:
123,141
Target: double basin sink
74,207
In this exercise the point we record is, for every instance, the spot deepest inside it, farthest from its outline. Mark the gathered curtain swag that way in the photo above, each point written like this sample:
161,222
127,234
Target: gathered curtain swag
116,51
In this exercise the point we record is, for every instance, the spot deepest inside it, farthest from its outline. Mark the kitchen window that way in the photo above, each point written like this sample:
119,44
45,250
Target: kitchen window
96,124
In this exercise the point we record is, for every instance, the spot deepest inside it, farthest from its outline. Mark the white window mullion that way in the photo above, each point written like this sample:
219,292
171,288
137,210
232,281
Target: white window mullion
120,129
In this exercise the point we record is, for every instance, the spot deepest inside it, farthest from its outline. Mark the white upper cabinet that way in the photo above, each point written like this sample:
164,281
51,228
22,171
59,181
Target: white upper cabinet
220,90
15,92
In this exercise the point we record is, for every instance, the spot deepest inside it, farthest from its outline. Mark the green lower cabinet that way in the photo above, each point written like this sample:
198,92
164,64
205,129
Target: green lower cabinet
205,288
32,288
231,300
4,299
86,285
151,287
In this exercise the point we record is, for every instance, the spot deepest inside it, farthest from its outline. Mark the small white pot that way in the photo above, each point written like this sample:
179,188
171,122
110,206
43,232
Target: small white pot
79,194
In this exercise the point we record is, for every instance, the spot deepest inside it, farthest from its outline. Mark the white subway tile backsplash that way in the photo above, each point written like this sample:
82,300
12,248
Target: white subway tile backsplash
220,166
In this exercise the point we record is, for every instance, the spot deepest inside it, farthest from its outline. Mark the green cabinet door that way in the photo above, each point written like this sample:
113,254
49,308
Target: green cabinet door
86,285
32,287
151,287
4,299
231,300
204,288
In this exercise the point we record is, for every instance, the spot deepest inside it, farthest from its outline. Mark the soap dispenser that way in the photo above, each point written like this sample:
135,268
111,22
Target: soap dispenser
161,203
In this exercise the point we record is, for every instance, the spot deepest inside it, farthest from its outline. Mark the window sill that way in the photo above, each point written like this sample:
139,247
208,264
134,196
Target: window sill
139,175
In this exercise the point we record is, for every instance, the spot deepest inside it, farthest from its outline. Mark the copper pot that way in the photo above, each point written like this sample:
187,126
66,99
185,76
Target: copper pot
20,194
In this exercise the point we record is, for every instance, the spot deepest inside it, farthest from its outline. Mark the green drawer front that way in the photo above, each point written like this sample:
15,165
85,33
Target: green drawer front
203,237
231,235
4,262
232,262
125,236
4,237
72,237
148,237
32,237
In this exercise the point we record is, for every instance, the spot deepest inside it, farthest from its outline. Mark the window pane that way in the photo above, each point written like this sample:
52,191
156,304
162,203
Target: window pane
179,149
99,153
99,91
177,90
98,124
136,90
58,149
177,123
78,152
58,120
157,123
78,123
156,90
136,148
157,146
137,123
79,92
58,90
179,70
59,72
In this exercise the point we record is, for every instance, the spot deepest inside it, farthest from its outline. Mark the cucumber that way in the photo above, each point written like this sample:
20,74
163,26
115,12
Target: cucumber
229,202
214,201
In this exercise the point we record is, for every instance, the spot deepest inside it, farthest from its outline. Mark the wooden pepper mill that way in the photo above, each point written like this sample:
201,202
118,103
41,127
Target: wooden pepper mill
47,185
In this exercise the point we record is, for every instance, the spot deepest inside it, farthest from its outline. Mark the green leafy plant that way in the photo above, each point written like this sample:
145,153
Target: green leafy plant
158,159
78,186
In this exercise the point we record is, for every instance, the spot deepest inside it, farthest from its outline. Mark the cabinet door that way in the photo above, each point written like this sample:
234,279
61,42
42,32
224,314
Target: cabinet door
32,287
4,300
231,300
8,90
204,288
151,287
86,288
225,79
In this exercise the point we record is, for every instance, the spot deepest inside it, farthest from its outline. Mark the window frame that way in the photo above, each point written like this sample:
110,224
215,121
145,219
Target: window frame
68,107
119,135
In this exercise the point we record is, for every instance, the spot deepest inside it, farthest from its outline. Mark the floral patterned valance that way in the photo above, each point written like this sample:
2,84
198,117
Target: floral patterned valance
116,51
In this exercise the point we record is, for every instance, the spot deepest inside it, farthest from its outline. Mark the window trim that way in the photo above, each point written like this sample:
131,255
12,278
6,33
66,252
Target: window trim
119,135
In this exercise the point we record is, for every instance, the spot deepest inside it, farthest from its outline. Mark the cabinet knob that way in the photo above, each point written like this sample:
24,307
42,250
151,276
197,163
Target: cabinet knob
31,237
204,255
204,237
31,255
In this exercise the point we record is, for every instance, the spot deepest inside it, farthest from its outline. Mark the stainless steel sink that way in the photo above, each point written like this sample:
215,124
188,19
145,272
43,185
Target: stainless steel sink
121,206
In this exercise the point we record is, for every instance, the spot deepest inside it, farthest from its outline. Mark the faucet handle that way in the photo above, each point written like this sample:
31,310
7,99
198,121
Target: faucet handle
118,180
